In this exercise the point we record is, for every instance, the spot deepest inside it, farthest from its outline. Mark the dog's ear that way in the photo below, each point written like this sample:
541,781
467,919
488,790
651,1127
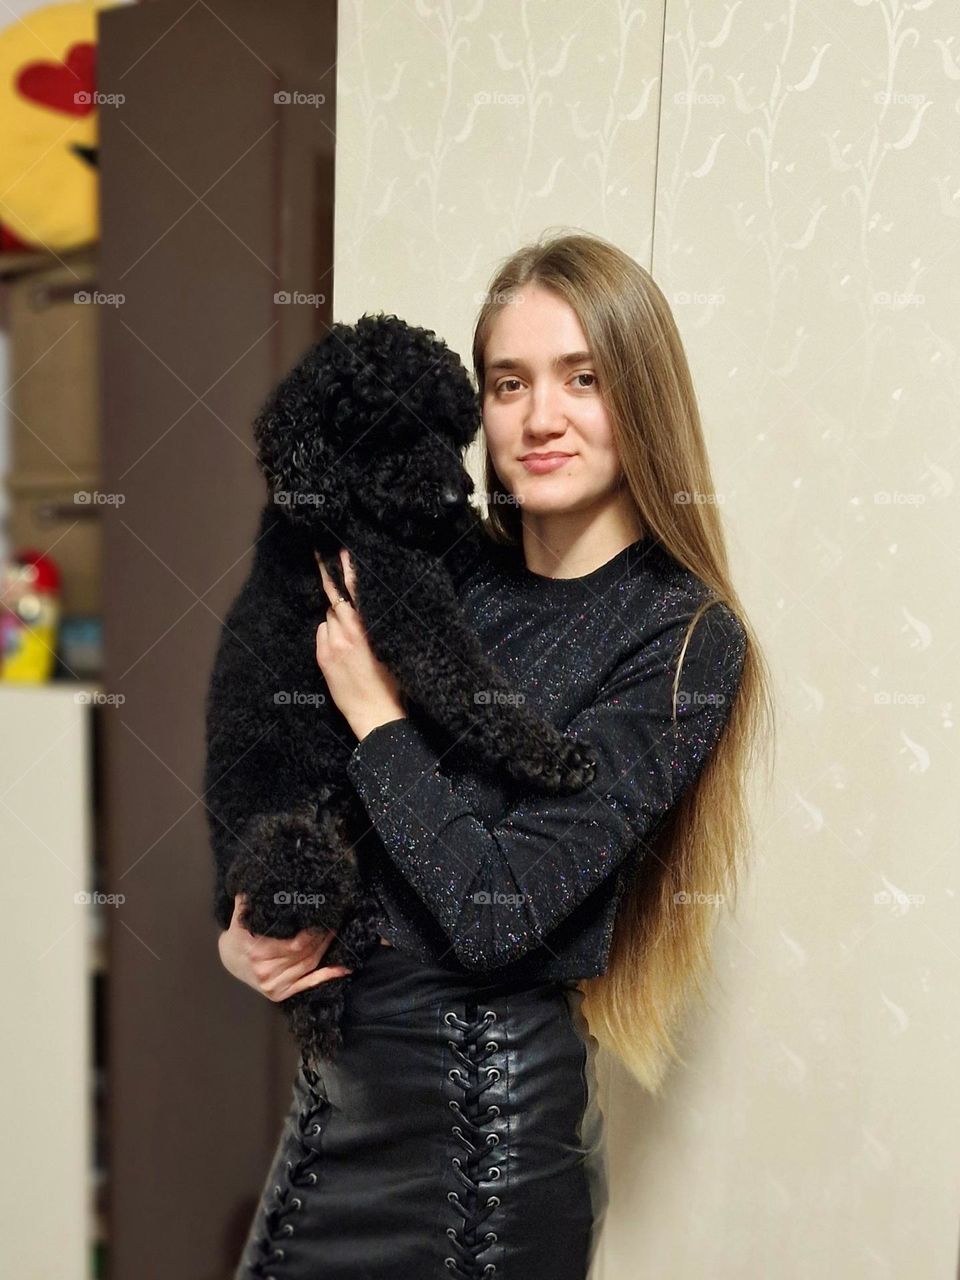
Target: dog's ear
298,433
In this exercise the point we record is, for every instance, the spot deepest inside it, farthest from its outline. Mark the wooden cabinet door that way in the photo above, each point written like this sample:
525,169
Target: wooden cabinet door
217,196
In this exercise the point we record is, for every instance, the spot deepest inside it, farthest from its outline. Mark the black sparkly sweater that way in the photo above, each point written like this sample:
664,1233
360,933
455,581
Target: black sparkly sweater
477,874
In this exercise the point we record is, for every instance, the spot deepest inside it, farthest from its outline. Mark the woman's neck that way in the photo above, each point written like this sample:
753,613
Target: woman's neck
566,548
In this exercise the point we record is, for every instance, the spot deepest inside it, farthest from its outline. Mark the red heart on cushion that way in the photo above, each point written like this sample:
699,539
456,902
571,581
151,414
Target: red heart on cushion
62,86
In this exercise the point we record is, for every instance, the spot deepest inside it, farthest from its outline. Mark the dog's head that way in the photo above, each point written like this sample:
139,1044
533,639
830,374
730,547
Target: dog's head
371,425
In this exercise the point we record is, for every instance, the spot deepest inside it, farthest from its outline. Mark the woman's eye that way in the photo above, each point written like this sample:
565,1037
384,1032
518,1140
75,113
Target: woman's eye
504,385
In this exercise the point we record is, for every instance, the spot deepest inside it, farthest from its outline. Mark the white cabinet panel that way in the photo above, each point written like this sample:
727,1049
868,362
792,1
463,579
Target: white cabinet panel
45,958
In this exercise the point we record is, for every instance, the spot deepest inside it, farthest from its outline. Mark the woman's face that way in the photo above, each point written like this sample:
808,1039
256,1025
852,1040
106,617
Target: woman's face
532,405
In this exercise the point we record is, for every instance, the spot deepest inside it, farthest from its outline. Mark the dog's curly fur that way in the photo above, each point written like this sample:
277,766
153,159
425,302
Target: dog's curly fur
361,446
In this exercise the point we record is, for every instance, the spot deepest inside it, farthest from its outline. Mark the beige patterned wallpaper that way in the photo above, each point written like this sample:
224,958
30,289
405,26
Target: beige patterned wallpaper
791,175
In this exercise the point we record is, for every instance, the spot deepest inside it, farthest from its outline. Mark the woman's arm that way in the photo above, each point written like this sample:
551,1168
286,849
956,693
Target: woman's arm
499,892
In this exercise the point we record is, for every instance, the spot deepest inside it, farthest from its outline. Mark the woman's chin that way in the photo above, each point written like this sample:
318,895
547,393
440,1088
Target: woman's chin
545,496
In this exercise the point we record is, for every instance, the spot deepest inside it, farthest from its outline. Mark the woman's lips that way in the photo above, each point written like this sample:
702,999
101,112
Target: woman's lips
540,465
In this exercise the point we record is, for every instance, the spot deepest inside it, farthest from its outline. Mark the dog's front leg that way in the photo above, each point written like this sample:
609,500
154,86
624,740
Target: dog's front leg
417,629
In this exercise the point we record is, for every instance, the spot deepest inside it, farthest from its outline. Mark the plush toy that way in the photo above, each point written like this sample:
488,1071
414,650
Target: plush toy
48,123
361,445
29,617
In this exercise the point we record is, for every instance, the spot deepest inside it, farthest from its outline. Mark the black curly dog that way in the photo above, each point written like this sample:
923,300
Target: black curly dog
361,445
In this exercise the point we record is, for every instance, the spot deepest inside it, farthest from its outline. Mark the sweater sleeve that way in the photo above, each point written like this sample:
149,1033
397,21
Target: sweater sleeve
498,891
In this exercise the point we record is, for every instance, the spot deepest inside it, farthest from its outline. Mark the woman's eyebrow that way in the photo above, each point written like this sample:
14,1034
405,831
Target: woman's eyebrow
558,362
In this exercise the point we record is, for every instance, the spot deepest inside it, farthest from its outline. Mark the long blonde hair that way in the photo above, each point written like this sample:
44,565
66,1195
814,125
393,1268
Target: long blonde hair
660,954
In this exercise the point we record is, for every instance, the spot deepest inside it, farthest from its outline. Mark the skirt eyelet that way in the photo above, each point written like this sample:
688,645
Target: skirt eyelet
310,1122
452,1051
474,1079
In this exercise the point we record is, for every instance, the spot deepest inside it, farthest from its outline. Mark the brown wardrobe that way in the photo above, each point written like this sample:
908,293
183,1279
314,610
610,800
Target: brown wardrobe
217,200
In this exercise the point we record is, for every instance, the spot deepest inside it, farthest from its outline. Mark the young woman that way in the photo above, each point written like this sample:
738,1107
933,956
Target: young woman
458,1132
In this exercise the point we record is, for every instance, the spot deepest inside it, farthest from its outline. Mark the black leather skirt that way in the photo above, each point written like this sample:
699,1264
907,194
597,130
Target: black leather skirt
458,1133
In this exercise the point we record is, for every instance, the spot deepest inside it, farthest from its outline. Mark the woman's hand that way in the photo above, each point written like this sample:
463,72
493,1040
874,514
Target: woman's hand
276,967
361,686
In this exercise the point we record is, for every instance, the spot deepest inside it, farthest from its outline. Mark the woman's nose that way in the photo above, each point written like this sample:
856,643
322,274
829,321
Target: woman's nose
545,415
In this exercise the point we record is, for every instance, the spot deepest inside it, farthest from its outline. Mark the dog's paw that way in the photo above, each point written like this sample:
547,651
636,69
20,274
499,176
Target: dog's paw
579,767
294,874
565,770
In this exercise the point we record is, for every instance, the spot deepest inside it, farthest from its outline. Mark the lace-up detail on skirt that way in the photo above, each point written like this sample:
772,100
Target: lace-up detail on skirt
451,1136
474,1139
299,1175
